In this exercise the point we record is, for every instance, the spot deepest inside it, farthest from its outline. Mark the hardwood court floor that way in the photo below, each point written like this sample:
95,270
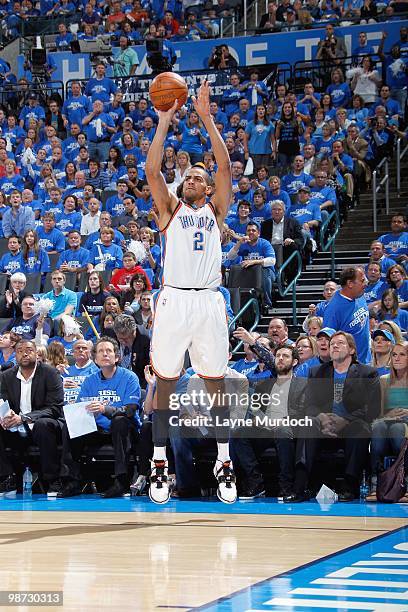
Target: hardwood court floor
154,561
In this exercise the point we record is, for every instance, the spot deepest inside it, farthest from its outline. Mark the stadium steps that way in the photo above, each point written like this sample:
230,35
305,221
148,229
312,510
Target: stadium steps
357,231
309,288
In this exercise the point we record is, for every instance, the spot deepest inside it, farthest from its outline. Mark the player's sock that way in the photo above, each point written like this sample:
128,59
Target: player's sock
223,451
160,427
220,418
159,453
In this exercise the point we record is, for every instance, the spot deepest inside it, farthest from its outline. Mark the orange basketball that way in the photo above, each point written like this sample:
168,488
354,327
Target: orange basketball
166,88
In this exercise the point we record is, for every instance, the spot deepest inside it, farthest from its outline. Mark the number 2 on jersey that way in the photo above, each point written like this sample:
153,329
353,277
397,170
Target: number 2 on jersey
198,243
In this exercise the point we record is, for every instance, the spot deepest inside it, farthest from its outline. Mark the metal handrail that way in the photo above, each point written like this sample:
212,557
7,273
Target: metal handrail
331,242
251,302
377,187
284,291
399,158
227,24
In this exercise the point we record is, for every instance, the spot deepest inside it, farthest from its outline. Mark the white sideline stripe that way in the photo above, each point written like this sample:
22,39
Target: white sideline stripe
391,555
351,593
346,572
382,563
335,605
363,583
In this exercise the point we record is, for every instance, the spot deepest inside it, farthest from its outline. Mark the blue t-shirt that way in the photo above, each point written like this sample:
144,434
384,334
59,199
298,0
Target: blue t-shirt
304,214
402,292
245,367
115,206
340,94
230,99
338,406
323,146
37,264
7,185
74,258
11,263
282,195
90,129
100,89
117,114
237,227
292,183
247,195
395,244
66,222
373,292
95,238
259,134
190,139
344,314
302,370
359,52
119,391
26,328
321,307
111,256
70,147
323,195
68,346
260,250
78,375
261,214
51,241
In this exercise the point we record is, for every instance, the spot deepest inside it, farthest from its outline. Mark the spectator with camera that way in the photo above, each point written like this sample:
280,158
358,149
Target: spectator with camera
331,47
221,59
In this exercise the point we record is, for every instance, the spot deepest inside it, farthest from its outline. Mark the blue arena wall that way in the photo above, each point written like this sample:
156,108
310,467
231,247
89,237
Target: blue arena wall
248,50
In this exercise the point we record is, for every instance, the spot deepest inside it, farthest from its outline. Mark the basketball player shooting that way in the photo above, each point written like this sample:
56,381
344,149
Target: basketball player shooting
189,311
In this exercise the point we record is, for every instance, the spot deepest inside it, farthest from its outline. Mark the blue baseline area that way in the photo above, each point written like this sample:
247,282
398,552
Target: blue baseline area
94,503
375,578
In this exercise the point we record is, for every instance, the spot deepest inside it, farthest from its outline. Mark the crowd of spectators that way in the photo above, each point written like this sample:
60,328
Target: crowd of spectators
79,224
286,16
137,20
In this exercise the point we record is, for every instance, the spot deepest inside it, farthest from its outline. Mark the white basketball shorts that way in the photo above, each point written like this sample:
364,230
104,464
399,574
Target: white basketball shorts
193,321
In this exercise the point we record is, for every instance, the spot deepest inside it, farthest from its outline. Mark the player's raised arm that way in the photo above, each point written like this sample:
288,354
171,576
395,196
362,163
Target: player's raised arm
165,201
223,182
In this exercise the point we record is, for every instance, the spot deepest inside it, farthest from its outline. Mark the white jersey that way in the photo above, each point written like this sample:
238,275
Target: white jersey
191,248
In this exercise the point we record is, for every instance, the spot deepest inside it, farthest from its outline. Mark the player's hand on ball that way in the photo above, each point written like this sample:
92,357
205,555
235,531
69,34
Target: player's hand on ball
168,115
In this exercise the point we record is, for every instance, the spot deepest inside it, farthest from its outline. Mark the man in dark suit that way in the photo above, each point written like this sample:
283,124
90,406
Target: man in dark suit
35,395
286,394
285,235
343,397
134,344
